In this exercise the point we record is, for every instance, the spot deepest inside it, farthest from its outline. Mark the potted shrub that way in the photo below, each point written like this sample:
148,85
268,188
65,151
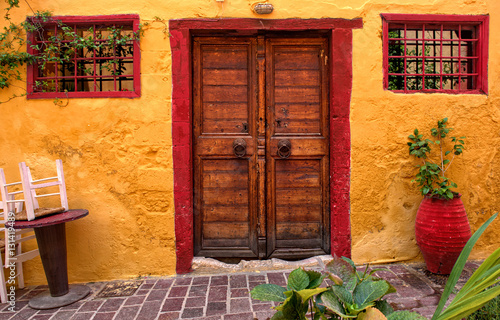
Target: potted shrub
441,228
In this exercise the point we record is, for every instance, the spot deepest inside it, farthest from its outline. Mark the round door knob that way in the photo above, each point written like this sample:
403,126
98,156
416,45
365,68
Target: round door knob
284,148
240,147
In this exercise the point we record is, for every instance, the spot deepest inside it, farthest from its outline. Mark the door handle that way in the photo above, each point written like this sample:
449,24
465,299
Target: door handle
240,147
284,148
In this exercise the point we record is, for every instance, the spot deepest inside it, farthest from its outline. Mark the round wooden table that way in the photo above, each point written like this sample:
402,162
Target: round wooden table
50,235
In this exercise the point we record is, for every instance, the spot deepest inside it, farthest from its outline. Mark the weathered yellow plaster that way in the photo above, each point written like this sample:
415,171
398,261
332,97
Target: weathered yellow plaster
118,159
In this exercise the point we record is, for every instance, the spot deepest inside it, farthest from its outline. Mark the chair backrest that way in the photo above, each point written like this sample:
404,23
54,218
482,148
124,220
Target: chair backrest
9,202
30,186
13,239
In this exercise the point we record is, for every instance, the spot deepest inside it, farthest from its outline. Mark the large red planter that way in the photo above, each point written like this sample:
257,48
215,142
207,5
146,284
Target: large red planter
442,230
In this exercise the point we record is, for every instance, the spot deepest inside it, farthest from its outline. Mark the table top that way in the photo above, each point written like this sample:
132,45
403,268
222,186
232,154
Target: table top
57,218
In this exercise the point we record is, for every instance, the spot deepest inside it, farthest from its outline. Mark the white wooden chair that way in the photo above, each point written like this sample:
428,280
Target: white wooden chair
32,207
10,239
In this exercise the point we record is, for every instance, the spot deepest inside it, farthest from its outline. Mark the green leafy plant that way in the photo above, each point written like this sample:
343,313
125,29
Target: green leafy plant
358,295
295,298
353,295
353,292
110,44
431,173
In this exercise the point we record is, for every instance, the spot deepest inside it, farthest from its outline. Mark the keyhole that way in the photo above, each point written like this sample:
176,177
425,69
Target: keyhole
278,123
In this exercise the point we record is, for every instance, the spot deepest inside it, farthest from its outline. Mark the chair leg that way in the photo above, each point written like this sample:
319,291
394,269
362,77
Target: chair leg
3,285
19,268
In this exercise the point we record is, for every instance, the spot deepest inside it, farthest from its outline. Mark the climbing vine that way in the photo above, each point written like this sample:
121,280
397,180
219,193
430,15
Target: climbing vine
61,47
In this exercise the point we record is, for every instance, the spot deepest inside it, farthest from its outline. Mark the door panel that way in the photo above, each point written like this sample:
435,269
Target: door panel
262,90
298,113
224,110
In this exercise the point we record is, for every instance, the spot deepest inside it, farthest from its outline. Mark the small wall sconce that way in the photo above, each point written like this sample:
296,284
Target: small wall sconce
263,8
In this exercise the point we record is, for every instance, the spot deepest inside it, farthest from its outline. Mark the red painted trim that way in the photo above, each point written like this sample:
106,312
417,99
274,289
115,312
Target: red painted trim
484,30
481,21
265,24
71,95
340,141
114,18
385,51
111,19
436,18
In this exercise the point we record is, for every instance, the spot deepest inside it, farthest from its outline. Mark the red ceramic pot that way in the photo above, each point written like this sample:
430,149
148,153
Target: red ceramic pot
442,230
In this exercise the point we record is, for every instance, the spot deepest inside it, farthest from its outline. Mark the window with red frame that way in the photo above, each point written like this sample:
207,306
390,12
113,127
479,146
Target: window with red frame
435,53
79,57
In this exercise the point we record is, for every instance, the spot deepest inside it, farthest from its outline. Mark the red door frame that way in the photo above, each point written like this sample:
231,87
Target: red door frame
340,136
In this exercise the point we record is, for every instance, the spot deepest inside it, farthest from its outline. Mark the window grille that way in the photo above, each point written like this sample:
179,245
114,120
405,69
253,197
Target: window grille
95,56
435,53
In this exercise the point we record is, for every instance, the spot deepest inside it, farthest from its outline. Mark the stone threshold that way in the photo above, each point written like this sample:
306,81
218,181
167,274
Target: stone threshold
203,265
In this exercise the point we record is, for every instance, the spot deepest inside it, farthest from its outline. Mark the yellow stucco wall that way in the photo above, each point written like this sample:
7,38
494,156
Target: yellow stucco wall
118,158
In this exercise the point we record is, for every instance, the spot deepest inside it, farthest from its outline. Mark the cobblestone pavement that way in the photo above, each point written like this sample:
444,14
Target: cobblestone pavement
220,296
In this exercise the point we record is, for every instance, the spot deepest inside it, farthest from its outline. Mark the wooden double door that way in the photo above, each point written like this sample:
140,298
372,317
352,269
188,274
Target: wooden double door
261,146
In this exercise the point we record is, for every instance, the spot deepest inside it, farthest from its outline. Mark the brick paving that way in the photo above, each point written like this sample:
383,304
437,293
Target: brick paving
220,297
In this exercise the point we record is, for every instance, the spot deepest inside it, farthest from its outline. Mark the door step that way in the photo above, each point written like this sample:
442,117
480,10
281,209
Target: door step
203,265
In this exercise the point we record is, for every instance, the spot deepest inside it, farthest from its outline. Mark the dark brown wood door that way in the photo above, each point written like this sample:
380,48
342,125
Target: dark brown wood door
260,131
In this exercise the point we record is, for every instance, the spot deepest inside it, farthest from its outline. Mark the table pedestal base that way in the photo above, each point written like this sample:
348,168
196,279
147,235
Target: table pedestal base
45,301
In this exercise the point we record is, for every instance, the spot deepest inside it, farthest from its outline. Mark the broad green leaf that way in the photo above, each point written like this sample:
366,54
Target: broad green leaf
268,292
278,316
298,280
315,279
350,262
447,153
384,307
342,294
308,293
330,300
293,308
391,288
344,270
459,266
369,291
